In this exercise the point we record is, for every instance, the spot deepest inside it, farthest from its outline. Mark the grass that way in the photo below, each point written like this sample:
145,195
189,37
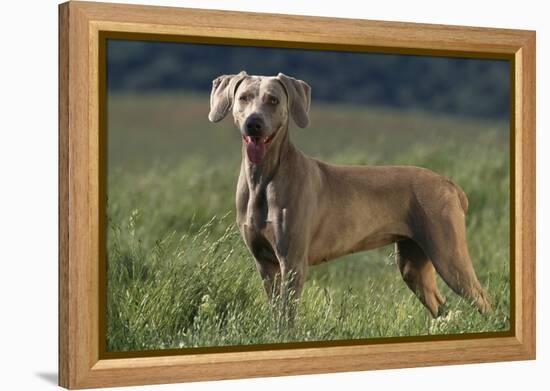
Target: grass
179,274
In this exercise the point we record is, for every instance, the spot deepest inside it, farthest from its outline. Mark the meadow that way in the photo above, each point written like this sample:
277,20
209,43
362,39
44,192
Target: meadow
180,276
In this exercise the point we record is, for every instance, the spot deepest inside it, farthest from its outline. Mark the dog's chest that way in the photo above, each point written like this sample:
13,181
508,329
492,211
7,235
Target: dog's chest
261,222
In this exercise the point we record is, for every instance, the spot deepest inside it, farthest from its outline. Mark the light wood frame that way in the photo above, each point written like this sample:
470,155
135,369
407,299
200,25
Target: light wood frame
80,25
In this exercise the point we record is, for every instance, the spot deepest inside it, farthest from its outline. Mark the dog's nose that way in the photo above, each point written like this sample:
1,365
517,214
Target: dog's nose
254,126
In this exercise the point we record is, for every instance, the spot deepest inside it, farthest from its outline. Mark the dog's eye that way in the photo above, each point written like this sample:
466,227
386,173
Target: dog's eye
274,101
243,98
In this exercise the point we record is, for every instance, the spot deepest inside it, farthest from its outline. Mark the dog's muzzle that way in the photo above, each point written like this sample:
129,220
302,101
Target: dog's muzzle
255,139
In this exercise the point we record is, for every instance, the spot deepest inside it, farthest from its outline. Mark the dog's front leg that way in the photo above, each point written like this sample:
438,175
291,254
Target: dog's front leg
283,282
293,275
270,273
291,251
283,285
292,281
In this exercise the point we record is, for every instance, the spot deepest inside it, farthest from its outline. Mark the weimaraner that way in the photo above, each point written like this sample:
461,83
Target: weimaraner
294,211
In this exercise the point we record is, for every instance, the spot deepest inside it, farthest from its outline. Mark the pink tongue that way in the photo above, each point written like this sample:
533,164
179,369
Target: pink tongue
255,151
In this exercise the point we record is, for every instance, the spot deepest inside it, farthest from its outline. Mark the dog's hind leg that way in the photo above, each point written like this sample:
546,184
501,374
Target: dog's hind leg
419,274
445,244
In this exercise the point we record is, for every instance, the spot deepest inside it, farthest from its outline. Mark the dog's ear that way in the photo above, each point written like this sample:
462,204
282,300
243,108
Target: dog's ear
222,95
299,98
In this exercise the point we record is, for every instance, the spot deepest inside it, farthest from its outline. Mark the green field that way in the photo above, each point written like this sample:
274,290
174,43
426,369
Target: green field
179,274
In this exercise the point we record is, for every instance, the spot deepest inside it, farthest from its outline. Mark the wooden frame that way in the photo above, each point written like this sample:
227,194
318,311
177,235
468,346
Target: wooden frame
80,25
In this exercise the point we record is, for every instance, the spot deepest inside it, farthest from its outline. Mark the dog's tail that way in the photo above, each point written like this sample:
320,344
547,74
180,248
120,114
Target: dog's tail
461,196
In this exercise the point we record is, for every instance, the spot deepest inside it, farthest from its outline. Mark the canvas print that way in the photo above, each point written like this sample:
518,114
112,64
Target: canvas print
262,195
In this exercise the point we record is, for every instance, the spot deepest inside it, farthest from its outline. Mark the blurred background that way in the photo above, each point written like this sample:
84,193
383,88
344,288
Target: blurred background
460,86
178,272
149,74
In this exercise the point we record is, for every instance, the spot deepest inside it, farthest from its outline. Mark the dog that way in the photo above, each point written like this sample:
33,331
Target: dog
294,211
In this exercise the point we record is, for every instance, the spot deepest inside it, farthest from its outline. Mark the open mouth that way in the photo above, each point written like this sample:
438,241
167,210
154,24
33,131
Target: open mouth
256,146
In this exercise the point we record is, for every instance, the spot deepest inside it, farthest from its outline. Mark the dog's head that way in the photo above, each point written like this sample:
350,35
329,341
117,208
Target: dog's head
261,106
